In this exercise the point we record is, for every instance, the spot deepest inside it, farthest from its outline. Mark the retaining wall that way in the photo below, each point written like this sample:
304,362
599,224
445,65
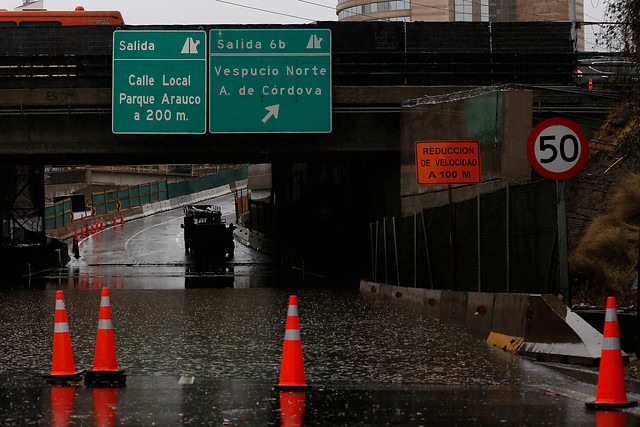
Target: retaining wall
536,326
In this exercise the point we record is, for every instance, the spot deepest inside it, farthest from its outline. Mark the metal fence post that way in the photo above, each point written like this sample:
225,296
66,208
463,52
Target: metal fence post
386,261
563,256
478,234
426,245
415,250
507,234
374,250
395,247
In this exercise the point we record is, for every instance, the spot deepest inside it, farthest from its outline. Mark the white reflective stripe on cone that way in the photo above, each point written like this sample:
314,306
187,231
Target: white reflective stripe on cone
611,343
610,315
59,304
60,327
104,302
105,324
292,335
293,310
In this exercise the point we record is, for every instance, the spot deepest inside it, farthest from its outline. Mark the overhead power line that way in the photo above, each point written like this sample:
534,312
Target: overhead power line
266,10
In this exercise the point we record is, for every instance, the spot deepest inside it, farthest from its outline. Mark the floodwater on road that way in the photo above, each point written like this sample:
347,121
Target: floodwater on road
202,345
238,333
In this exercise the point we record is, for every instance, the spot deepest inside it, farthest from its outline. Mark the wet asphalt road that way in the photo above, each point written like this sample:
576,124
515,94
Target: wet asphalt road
202,346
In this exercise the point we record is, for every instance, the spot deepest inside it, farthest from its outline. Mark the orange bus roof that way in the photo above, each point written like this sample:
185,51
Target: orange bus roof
66,18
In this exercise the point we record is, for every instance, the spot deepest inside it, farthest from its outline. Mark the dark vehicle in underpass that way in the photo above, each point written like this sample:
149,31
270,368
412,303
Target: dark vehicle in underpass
206,235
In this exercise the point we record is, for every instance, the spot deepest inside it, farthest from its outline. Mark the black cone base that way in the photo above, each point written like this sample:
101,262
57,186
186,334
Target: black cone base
605,406
105,377
64,379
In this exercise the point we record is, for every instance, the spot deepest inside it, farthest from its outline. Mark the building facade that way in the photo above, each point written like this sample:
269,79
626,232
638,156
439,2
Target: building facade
457,10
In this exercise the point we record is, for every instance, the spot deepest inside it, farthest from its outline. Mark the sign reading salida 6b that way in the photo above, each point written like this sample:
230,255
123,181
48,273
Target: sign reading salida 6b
448,162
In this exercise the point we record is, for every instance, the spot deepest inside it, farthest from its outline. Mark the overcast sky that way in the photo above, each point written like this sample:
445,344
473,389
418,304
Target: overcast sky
138,12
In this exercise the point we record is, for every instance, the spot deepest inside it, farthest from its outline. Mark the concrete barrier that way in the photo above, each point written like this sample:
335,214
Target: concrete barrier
453,308
370,288
510,314
556,334
479,315
432,300
254,240
535,326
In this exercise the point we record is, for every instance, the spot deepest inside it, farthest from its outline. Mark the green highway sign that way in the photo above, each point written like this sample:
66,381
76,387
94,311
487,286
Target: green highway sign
270,80
159,82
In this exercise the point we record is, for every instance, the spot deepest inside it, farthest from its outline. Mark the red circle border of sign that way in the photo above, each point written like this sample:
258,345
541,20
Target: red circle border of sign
584,148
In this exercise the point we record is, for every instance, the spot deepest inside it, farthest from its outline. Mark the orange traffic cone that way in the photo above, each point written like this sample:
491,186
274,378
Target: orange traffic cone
121,217
292,367
63,368
82,231
292,408
590,84
105,366
611,391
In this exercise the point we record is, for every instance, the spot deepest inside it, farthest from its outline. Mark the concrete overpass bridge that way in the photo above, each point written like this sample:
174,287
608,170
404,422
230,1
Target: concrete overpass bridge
56,89
55,103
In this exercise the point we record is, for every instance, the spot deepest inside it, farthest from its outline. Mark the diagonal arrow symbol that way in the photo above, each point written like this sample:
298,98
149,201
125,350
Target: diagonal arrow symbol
273,111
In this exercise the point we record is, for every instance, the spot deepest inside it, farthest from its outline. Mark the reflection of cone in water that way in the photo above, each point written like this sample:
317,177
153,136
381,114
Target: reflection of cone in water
105,366
611,419
611,391
62,405
62,366
292,367
292,408
104,405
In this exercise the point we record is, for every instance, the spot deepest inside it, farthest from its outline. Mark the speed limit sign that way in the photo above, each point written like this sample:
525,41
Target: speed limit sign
557,148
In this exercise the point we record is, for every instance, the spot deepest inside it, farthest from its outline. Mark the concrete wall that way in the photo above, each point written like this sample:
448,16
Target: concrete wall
501,121
260,181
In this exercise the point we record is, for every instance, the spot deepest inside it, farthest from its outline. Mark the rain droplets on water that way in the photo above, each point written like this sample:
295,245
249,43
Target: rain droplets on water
238,333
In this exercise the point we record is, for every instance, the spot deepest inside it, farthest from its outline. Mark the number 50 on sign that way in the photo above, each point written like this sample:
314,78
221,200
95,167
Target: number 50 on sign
557,148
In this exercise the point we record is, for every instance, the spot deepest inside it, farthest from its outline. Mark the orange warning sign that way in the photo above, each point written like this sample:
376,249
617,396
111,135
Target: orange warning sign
448,162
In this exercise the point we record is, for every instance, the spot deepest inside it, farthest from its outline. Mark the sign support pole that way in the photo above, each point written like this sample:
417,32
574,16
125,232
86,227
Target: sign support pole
452,238
563,252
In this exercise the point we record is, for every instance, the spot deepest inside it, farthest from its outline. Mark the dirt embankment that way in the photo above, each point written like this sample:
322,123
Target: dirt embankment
603,212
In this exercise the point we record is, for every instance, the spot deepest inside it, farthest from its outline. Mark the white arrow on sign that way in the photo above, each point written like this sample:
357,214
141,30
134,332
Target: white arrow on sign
273,111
